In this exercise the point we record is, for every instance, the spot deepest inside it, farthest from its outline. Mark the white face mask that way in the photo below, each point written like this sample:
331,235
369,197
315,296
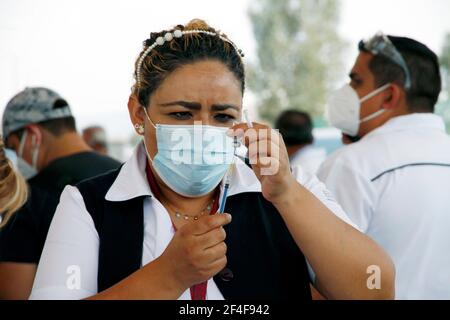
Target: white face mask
344,106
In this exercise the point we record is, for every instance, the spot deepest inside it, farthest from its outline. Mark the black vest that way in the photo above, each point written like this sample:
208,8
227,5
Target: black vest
263,260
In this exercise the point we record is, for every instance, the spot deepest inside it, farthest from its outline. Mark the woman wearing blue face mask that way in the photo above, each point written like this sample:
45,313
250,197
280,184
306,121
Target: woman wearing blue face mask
13,188
150,230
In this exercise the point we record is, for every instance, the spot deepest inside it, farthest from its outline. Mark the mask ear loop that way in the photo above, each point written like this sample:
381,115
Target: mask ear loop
35,152
143,138
371,95
35,147
22,144
374,93
373,116
148,117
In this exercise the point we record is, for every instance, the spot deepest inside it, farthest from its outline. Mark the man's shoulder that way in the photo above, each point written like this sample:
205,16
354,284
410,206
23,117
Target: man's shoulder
364,157
92,158
348,154
75,168
104,158
379,151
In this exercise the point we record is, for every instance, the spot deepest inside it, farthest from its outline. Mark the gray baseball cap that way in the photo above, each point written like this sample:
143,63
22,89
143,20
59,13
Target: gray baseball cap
33,105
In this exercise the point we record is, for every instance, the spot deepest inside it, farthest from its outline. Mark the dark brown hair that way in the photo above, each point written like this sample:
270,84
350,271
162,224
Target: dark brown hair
423,65
188,49
295,127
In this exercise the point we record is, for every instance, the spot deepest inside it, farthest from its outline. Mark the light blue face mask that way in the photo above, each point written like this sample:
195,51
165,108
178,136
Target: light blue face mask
12,156
191,159
21,165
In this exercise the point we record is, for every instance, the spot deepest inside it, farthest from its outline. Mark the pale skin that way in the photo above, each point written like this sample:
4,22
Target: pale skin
16,279
338,253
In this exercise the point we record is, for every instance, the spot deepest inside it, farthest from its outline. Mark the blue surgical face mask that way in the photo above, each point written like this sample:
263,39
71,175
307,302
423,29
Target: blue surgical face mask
19,164
27,170
12,156
191,159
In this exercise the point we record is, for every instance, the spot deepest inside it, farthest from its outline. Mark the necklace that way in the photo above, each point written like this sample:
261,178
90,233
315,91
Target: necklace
180,215
160,196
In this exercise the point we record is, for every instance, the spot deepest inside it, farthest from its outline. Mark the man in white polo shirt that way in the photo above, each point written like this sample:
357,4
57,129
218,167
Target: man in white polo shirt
394,183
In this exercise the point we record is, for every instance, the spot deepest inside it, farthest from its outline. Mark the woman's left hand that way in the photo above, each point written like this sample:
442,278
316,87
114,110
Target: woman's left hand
268,157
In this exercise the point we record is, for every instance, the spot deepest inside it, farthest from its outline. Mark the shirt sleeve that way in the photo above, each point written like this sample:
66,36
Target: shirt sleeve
69,262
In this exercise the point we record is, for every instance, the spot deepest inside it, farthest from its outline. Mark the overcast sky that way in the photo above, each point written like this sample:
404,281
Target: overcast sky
85,49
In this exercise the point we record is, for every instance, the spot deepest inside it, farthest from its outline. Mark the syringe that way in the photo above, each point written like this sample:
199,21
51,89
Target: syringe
229,173
228,176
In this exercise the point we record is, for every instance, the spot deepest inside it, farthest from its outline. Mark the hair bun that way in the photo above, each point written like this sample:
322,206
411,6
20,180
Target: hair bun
197,24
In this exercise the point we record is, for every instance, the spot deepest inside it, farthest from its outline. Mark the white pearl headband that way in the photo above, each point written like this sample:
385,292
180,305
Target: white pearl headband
178,34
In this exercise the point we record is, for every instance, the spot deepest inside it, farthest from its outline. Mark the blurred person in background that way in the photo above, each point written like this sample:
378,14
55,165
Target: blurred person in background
296,128
13,188
95,137
393,179
38,125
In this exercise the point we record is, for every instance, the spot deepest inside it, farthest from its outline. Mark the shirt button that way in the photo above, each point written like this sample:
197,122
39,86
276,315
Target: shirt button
226,275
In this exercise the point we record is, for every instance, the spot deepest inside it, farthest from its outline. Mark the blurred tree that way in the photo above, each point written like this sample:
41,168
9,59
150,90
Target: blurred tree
299,54
445,63
443,107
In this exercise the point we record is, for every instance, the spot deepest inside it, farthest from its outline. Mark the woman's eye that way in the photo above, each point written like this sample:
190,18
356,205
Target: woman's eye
181,115
222,117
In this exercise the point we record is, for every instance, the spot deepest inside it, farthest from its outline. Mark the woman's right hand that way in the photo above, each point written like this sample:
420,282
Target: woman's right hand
197,251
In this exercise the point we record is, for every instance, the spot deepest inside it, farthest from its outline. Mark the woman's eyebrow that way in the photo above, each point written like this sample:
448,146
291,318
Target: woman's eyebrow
198,106
186,104
223,107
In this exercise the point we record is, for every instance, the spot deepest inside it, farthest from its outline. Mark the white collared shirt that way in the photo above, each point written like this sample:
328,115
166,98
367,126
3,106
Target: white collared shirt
73,243
395,185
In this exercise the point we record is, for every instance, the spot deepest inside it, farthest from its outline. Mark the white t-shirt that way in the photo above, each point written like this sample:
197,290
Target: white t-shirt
72,243
395,185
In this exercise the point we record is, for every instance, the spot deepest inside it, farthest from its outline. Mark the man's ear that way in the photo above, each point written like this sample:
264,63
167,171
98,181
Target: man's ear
135,110
37,133
393,96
